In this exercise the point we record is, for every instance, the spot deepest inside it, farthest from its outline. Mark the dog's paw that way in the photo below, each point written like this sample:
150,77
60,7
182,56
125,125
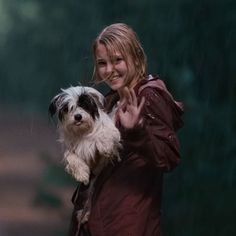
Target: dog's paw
77,168
82,177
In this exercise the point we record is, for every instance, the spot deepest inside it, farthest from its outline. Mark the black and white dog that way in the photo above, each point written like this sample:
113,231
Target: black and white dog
89,134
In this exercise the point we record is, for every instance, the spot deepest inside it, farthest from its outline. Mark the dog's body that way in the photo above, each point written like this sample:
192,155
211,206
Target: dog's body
89,134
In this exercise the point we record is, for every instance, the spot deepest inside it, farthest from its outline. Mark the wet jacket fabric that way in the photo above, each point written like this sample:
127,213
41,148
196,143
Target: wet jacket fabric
126,197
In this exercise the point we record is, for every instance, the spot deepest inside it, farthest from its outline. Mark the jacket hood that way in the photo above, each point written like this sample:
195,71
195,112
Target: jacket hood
177,107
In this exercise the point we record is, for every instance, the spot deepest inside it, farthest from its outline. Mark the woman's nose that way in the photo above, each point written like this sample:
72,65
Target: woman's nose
110,68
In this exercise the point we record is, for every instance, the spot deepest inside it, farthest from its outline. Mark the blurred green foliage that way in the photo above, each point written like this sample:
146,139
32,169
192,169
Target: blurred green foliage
46,45
44,197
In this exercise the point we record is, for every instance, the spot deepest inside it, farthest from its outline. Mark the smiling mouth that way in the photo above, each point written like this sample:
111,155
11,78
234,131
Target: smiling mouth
114,78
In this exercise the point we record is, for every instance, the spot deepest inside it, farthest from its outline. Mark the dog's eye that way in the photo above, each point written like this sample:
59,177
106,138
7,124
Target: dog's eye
71,108
65,109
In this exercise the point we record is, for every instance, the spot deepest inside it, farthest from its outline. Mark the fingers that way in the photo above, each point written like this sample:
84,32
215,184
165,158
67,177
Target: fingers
140,106
133,97
121,106
127,96
130,96
129,109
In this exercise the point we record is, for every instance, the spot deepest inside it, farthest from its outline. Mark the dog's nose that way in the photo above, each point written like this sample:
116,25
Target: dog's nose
78,117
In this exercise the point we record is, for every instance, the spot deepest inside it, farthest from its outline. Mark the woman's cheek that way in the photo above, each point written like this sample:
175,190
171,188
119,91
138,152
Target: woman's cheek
101,73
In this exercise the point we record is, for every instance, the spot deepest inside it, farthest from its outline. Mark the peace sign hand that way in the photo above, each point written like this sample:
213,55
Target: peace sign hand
128,112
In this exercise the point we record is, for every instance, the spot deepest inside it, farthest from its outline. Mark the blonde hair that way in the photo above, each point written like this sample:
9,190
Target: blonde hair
120,37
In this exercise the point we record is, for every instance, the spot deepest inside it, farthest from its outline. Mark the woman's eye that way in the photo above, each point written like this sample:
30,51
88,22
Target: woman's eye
101,63
119,59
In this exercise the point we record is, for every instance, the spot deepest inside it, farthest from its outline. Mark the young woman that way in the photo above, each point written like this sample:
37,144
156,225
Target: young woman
125,199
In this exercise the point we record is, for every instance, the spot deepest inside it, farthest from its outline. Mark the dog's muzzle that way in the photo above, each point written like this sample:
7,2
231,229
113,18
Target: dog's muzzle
78,119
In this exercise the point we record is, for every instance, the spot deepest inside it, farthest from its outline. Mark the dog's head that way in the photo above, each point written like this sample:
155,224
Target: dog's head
77,108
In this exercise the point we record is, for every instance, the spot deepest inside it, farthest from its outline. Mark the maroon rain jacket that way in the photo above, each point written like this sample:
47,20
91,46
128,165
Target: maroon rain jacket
126,199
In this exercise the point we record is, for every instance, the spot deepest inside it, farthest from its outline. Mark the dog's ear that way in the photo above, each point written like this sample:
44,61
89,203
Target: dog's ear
52,109
99,101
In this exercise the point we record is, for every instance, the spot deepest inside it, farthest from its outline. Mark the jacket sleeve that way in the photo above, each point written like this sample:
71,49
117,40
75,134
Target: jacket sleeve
155,139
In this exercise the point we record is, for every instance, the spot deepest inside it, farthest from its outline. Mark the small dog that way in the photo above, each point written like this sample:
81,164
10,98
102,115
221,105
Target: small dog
89,134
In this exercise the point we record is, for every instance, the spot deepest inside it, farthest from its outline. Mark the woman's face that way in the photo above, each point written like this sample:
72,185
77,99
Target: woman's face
113,70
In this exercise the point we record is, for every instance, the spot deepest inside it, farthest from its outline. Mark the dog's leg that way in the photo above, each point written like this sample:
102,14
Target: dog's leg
109,149
77,168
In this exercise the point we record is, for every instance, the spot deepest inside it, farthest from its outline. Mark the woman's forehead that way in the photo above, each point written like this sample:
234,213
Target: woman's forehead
111,51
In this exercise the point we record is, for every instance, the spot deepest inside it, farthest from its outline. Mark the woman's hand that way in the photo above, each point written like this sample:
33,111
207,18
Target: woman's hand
128,112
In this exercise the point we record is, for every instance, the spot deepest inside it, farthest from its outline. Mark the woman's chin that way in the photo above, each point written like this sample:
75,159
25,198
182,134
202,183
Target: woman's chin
115,86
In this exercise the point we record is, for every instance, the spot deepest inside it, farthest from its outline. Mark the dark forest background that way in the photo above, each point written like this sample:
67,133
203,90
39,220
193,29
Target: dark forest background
46,45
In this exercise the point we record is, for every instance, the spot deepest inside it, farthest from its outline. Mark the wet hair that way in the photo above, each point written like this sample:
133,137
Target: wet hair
121,38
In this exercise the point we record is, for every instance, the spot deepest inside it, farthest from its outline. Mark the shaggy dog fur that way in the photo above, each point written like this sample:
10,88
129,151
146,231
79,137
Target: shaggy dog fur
89,134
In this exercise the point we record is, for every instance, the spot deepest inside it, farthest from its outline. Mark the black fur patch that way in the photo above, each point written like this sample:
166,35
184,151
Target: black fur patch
88,104
53,108
62,111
